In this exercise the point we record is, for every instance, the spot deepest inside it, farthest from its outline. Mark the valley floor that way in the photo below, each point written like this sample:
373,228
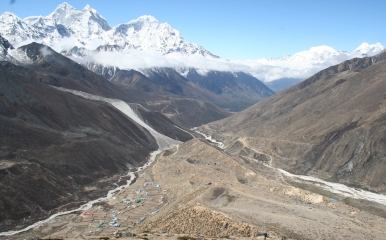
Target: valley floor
206,193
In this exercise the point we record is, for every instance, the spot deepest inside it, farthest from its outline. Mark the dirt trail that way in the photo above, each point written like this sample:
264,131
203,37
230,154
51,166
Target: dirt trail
206,193
266,206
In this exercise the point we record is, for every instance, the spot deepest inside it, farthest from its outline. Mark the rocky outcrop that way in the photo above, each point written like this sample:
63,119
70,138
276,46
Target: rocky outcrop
197,219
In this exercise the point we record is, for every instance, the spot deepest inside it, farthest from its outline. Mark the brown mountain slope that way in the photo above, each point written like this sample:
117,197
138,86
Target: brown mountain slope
54,144
190,100
66,73
57,149
185,112
332,125
60,71
183,102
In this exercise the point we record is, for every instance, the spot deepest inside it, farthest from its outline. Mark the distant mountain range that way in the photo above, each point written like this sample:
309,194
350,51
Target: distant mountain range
86,37
294,68
88,29
324,53
143,46
188,97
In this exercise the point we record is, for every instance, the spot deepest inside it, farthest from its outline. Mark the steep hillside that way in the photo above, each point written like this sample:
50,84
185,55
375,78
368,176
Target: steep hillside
174,95
65,72
54,145
230,91
171,94
331,125
194,100
58,150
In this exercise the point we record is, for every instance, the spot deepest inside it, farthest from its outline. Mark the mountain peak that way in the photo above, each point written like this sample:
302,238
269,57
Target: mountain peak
64,14
147,18
89,15
90,9
65,4
363,45
9,15
369,49
65,7
87,28
69,16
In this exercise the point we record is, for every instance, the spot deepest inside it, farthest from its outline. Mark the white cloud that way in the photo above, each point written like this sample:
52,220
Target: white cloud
300,65
22,43
133,59
45,51
64,44
94,44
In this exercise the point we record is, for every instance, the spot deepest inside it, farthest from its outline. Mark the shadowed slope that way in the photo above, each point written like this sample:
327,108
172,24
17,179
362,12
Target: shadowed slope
66,73
54,144
57,149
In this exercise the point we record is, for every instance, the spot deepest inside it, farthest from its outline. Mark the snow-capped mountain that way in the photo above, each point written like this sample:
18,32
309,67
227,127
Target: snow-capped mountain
369,49
15,29
86,37
89,18
314,54
306,63
146,33
322,54
68,27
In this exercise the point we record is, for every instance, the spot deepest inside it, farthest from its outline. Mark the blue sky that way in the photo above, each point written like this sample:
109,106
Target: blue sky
243,29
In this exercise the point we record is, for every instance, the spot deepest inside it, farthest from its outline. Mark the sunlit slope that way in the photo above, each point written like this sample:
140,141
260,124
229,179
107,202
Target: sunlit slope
331,125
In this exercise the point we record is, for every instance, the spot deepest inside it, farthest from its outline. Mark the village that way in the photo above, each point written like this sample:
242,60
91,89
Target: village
118,215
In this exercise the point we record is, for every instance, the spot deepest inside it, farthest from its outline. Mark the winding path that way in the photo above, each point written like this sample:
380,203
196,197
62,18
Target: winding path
332,187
